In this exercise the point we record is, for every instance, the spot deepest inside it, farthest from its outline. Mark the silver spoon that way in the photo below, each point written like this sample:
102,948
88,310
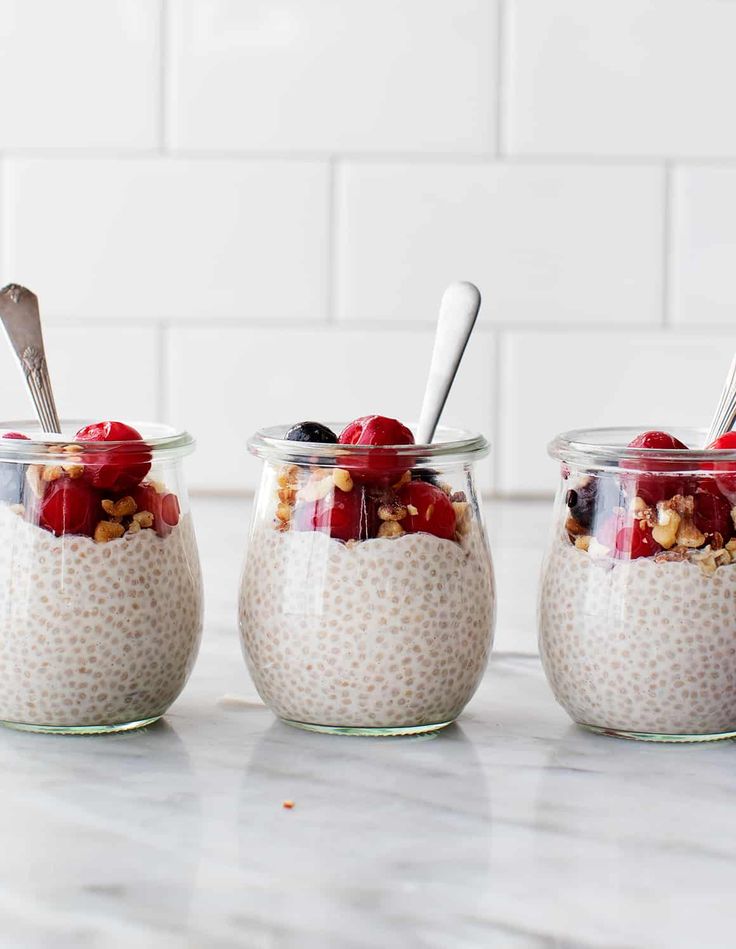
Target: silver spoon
725,414
458,313
20,317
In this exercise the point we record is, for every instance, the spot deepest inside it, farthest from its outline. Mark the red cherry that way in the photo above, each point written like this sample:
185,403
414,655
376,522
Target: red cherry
657,487
164,507
725,477
343,515
16,435
70,507
113,470
712,512
658,440
636,541
435,514
377,430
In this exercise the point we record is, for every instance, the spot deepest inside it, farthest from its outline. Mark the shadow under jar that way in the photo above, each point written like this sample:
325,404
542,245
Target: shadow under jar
637,606
100,586
367,600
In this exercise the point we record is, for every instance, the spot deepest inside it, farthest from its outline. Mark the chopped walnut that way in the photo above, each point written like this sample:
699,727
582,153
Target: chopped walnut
342,479
447,488
572,526
390,529
133,527
287,495
676,555
459,497
51,472
731,546
73,470
598,550
125,507
392,511
404,479
412,510
667,526
288,476
108,530
315,489
283,512
688,534
462,516
143,518
33,477
583,541
71,449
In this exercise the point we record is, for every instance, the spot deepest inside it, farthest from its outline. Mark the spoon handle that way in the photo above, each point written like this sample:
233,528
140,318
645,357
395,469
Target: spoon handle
20,317
725,414
458,312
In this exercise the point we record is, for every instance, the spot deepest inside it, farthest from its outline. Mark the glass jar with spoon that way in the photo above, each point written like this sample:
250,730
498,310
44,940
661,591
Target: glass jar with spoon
100,588
367,601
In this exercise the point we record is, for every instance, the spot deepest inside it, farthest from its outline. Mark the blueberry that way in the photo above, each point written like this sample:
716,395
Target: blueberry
311,432
581,501
594,500
12,479
428,475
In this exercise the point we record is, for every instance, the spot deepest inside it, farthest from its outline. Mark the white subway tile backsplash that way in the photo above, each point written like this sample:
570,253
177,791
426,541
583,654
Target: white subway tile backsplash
169,238
552,382
704,245
79,74
325,75
545,244
98,372
223,385
594,77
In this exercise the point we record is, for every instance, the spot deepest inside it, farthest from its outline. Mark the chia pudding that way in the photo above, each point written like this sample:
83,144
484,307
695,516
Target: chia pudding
637,606
367,601
100,590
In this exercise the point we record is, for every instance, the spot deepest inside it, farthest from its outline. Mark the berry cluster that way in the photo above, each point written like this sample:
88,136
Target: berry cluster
376,494
657,509
99,492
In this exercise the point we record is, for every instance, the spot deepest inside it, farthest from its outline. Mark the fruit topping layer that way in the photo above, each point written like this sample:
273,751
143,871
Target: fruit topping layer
99,493
657,509
374,495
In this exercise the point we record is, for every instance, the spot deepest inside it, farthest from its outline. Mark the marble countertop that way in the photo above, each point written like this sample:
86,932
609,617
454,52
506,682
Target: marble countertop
512,828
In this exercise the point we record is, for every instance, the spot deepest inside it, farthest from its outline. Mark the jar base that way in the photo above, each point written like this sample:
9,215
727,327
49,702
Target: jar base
389,731
81,729
656,737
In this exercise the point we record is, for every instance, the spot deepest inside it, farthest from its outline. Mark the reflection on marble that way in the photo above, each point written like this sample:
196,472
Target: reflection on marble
512,828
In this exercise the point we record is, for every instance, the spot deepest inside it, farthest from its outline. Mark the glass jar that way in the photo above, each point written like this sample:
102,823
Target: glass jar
367,601
637,606
100,587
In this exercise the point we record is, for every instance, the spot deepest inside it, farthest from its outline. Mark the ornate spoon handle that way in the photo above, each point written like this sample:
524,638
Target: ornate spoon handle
19,315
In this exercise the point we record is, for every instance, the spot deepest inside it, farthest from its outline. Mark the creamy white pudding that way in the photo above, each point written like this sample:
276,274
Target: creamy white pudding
644,646
381,633
95,634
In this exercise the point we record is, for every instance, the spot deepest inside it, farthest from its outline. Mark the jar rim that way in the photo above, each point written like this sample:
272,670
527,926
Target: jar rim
453,444
609,446
40,446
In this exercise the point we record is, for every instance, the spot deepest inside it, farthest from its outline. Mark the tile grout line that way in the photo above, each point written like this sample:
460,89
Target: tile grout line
667,269
163,85
497,415
162,363
331,250
5,277
500,77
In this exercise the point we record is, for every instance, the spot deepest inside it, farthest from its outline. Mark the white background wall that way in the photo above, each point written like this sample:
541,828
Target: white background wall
241,213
